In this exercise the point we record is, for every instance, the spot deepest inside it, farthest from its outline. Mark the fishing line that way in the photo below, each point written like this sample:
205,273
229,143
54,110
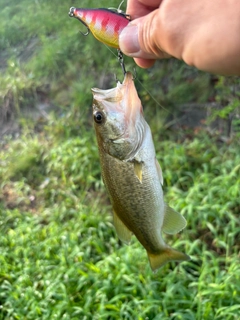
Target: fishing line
169,123
153,98
119,7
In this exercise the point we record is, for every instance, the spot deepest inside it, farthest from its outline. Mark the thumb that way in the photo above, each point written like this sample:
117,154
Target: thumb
141,38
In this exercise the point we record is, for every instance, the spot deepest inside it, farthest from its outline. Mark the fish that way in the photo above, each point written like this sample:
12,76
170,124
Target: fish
131,173
105,24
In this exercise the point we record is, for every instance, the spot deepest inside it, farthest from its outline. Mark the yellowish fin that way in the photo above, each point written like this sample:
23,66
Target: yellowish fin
123,232
138,170
167,255
173,221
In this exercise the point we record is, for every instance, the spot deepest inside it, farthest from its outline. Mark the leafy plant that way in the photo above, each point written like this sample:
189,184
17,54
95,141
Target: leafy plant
227,97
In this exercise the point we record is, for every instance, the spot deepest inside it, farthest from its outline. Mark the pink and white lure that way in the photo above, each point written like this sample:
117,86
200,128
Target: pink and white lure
105,24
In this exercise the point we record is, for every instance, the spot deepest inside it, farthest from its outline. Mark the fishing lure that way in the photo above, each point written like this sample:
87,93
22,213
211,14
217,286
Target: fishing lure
105,24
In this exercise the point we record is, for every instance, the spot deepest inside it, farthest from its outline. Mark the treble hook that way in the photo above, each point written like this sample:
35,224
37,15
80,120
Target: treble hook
121,61
71,14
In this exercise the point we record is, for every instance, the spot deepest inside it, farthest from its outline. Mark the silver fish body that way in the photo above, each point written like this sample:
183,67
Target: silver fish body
131,173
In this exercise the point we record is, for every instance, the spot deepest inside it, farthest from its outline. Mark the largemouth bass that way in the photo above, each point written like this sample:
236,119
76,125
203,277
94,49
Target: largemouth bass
131,173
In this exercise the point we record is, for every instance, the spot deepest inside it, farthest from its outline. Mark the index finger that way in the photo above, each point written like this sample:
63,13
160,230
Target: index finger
140,8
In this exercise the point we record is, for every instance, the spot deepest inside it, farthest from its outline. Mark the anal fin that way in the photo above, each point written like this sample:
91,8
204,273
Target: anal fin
123,232
173,221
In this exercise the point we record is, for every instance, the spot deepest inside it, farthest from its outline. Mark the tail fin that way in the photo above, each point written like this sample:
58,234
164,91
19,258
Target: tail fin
167,255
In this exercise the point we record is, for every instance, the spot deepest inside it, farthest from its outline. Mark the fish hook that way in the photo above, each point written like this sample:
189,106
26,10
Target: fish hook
121,61
88,30
71,14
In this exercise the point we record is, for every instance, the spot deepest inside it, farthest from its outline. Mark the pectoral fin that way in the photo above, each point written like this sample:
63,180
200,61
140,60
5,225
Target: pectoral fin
159,170
138,170
173,221
123,232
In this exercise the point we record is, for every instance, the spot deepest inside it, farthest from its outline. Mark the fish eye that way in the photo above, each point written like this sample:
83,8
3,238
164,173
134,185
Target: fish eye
98,117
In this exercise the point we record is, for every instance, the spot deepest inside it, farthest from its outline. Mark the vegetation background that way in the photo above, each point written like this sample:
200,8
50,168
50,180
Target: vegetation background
59,255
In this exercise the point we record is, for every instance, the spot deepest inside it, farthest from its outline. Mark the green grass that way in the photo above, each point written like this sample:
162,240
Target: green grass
60,257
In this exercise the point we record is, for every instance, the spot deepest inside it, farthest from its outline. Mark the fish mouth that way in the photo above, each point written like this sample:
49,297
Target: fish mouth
123,98
128,78
72,12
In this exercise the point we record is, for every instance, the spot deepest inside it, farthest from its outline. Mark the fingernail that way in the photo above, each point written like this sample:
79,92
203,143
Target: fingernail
128,40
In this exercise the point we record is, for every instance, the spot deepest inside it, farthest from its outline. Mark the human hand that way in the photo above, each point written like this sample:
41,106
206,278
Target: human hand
205,34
